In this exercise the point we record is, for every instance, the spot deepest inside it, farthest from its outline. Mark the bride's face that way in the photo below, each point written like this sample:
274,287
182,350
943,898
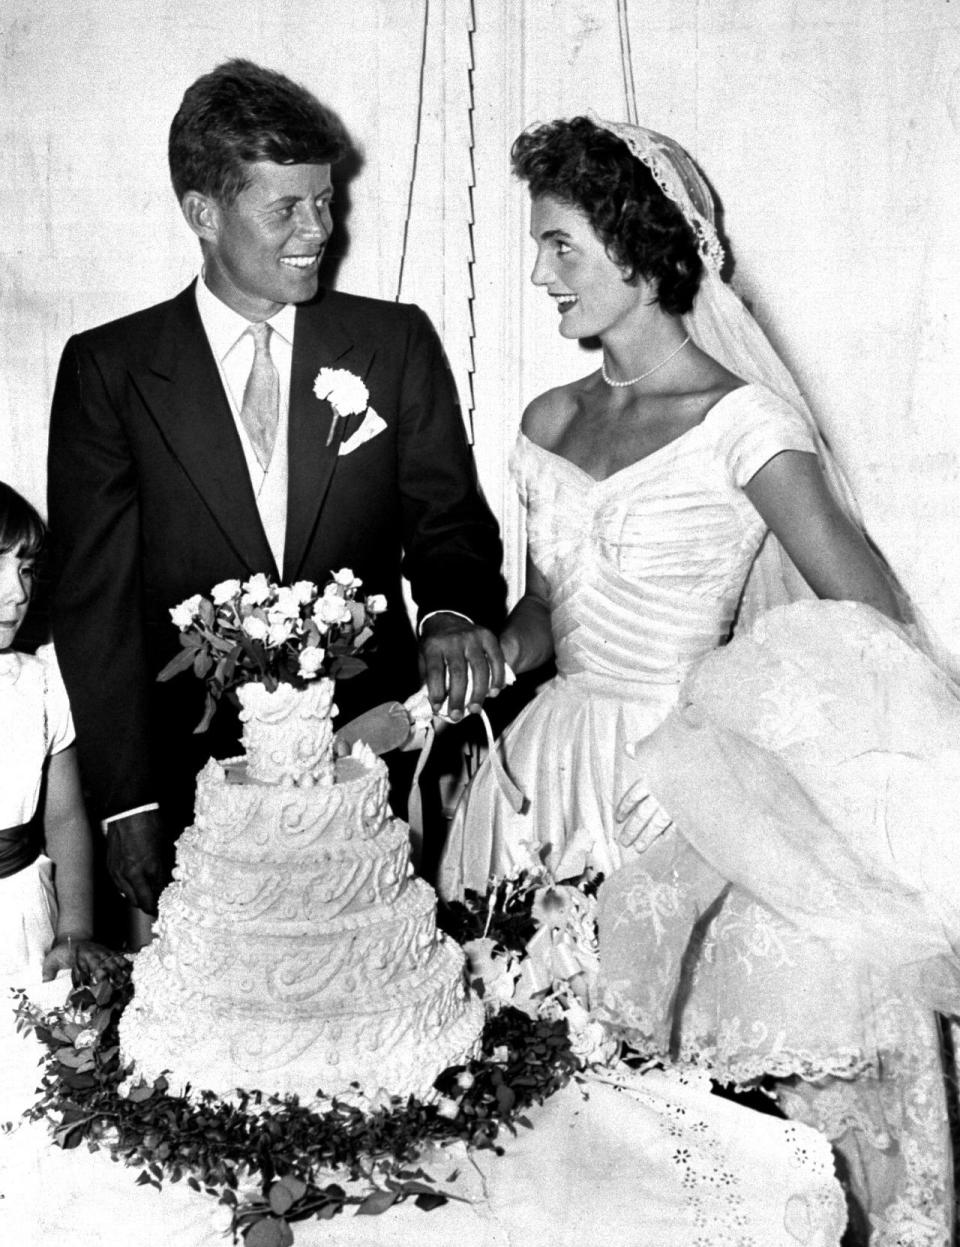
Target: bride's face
587,286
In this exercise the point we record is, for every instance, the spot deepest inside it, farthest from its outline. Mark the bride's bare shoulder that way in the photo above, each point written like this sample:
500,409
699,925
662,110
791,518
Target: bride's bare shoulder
548,415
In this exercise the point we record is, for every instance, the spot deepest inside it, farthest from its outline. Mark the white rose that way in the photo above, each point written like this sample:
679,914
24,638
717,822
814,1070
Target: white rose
347,579
255,627
86,1039
278,631
287,605
347,394
304,591
448,1108
225,592
184,614
590,1042
376,603
311,661
331,610
498,971
257,589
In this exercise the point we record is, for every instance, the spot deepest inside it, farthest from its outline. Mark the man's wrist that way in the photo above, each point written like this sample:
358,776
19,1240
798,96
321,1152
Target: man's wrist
433,614
138,809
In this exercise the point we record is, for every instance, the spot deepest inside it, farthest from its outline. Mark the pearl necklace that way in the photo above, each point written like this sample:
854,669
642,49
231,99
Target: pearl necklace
619,385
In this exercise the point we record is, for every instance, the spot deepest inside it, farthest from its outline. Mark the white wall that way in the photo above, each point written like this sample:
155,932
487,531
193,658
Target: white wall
828,128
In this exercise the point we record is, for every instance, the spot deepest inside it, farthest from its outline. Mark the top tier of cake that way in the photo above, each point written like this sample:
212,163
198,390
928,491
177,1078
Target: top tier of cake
287,732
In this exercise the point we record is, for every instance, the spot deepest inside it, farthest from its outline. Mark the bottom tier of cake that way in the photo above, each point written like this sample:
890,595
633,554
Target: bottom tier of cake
398,1047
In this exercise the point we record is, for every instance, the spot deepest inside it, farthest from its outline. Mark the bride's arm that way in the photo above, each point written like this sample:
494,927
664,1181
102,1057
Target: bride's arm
828,548
527,639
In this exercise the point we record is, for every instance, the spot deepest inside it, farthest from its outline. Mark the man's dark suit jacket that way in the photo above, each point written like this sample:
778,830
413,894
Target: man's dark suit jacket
150,501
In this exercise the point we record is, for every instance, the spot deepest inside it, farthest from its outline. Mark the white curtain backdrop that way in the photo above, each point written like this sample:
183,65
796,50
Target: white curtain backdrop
831,131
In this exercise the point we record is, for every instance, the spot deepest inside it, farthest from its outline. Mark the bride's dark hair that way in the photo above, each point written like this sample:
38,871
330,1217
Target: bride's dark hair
581,164
21,528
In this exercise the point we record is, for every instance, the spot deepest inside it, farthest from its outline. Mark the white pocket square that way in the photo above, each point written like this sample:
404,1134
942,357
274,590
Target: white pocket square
370,426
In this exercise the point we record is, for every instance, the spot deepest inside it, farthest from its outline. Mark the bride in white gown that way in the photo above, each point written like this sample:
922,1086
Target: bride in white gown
779,895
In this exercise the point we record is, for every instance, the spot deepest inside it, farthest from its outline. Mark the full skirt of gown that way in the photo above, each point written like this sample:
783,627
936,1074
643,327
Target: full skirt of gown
782,896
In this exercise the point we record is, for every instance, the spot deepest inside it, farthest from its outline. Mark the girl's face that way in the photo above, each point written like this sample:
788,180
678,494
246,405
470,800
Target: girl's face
572,263
16,587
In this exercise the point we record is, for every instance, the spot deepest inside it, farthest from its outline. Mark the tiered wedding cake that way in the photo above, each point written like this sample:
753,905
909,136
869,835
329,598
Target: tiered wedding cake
295,951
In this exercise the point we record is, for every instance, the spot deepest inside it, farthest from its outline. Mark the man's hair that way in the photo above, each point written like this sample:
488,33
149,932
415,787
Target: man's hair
582,164
240,113
21,528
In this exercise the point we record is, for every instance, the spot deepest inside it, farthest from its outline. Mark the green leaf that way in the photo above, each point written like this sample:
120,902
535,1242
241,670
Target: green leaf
76,1058
294,1185
281,1199
138,1094
433,1200
202,664
418,1188
209,709
376,1203
180,662
505,1098
68,1137
345,666
270,1232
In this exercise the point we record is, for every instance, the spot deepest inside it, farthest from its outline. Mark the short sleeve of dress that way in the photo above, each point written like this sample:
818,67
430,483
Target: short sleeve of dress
754,424
60,732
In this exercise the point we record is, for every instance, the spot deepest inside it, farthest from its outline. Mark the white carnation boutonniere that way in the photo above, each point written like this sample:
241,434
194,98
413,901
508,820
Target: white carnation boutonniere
344,391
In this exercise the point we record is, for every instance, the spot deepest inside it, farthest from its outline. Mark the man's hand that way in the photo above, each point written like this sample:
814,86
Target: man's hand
457,660
94,961
137,855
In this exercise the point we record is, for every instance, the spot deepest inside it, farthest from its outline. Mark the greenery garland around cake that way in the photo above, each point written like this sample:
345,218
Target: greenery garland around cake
531,949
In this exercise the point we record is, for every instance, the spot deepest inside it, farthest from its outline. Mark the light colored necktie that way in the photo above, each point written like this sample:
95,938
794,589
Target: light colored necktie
261,396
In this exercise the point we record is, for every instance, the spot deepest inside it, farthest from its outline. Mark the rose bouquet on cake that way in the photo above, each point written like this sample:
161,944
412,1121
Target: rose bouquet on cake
256,630
278,650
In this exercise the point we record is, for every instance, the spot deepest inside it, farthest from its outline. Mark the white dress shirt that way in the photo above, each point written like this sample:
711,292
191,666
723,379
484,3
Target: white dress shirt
232,348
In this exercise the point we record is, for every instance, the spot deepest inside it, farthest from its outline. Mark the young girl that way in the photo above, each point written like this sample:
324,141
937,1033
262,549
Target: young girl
46,885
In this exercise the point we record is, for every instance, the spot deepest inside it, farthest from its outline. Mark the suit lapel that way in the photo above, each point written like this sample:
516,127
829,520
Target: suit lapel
318,342
184,395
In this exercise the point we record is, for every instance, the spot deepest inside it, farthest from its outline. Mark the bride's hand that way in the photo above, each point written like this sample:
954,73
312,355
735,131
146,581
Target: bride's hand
510,648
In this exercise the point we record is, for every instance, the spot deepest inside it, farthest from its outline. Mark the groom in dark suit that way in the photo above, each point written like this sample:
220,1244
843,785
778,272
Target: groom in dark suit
188,446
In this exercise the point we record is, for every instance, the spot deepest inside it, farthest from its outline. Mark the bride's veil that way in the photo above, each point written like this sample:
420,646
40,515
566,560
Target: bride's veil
721,325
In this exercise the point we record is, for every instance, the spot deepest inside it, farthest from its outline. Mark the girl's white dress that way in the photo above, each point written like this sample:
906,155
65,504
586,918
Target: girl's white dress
35,723
776,817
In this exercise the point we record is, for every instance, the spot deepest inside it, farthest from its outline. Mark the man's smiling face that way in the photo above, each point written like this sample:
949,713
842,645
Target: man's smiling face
264,249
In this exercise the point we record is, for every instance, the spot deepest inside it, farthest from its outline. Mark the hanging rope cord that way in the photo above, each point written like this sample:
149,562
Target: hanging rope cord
416,148
626,61
418,706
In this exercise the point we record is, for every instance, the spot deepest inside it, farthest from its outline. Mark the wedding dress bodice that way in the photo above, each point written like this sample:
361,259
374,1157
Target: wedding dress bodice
646,567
